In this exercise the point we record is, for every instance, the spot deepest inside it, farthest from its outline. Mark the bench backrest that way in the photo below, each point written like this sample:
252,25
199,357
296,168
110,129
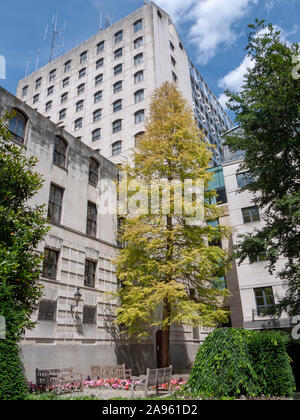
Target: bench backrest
49,377
105,372
158,377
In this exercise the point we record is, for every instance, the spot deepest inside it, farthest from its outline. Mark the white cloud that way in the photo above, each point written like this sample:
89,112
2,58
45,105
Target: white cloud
235,78
212,22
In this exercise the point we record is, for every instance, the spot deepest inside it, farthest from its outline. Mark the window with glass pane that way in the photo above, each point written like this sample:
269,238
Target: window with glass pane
50,263
117,87
78,124
55,204
117,106
36,98
139,96
118,69
117,126
47,310
83,57
98,96
38,83
139,77
138,137
17,126
50,90
118,37
138,43
96,134
139,116
60,152
117,148
173,62
99,63
68,66
82,73
97,115
118,53
52,75
138,25
172,46
138,59
93,171
174,77
100,47
25,91
98,79
90,273
48,106
91,227
264,299
243,179
64,97
79,105
81,89
62,114
251,214
66,82
89,315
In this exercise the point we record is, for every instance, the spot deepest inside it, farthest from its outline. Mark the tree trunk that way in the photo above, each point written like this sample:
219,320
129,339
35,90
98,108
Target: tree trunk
165,342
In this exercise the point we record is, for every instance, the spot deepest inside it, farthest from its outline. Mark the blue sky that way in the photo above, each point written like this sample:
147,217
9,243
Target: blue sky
214,32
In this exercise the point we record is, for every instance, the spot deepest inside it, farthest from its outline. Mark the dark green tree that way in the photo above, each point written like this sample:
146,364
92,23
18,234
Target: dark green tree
268,112
21,229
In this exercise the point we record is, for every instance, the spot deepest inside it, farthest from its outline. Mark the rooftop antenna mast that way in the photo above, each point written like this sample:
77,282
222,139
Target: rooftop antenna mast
52,36
108,20
28,63
101,18
37,59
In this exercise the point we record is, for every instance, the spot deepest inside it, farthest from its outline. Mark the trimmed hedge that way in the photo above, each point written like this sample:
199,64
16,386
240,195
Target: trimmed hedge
234,362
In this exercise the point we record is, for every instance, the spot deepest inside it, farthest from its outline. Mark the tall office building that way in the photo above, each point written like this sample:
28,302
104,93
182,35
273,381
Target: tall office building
100,91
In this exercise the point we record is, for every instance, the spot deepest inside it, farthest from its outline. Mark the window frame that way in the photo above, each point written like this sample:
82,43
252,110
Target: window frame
116,148
47,261
55,204
91,222
93,171
60,152
87,273
250,210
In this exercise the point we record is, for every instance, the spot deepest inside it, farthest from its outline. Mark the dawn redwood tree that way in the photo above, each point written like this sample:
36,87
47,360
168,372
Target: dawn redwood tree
170,271
268,112
21,229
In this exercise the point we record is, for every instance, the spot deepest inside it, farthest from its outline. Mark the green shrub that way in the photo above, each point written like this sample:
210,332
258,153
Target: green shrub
223,367
233,362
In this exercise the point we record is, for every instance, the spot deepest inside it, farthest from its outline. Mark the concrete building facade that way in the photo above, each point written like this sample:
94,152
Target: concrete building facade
100,91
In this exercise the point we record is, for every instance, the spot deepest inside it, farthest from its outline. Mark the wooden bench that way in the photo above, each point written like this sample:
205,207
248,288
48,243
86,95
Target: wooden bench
50,377
105,372
155,378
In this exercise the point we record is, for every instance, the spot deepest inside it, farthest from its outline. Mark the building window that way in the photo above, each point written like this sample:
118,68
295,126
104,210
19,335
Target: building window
90,273
98,96
138,137
138,59
83,57
97,115
78,124
99,63
118,53
118,69
118,87
36,98
66,82
96,134
60,152
62,114
64,97
48,106
264,300
82,73
180,46
79,105
81,89
89,315
50,90
117,148
139,77
138,25
221,196
93,171
139,116
50,264
118,37
174,77
251,214
98,79
100,47
17,126
47,310
172,46
260,258
91,226
139,96
55,204
117,126
243,179
68,65
52,75
173,61
24,91
138,43
38,83
117,106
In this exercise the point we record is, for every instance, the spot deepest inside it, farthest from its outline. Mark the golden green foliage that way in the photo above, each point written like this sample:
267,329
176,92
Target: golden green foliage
163,256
